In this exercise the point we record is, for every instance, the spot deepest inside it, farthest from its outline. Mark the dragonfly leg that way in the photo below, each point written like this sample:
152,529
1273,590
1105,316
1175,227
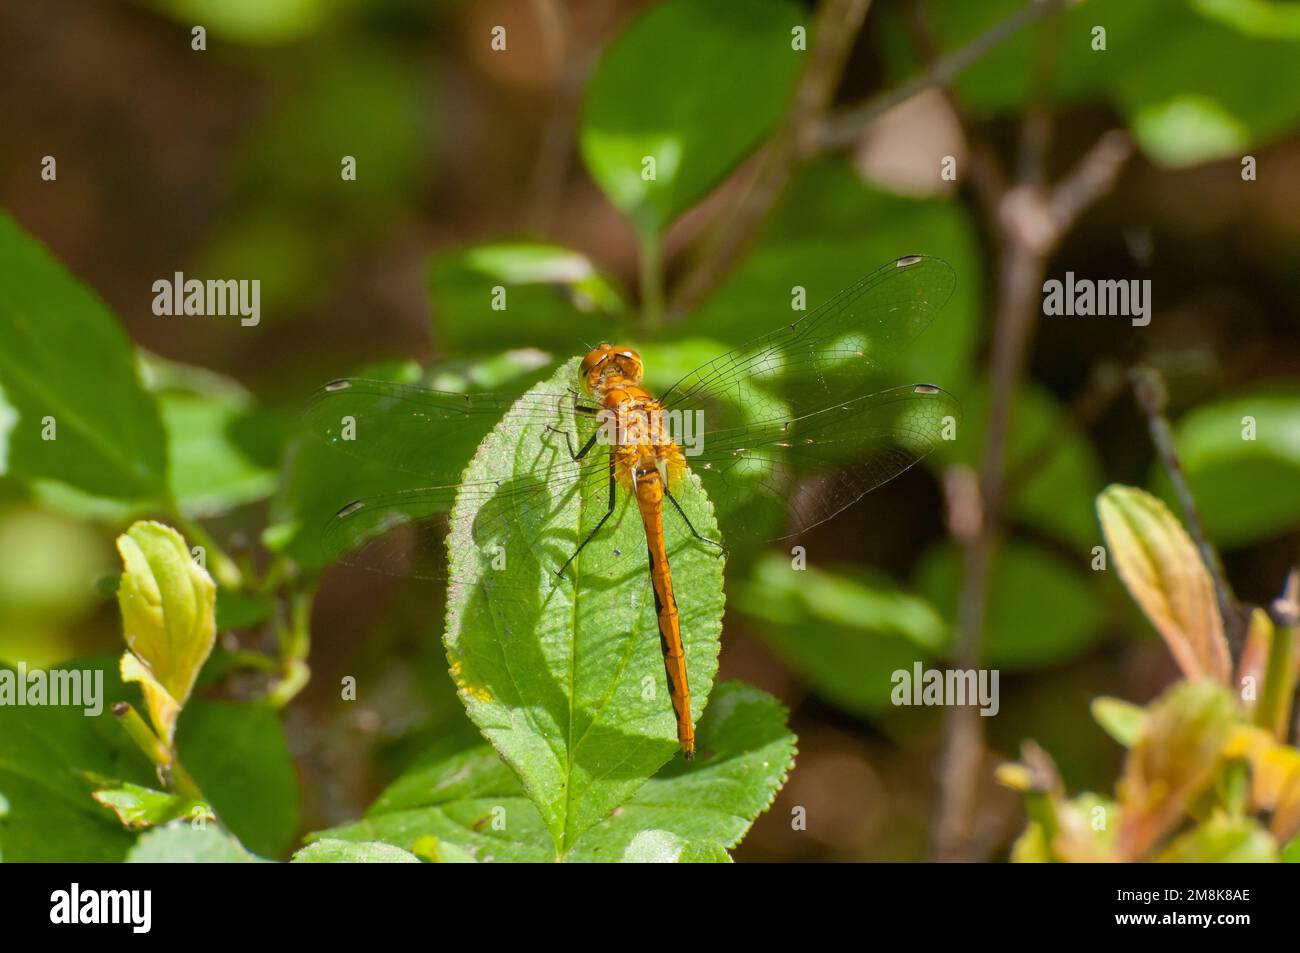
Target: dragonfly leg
722,550
577,408
568,439
613,489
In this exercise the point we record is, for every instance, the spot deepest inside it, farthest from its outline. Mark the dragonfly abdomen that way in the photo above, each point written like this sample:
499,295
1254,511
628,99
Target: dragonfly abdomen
649,498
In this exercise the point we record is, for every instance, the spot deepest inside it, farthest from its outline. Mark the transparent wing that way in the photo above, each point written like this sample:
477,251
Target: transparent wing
787,406
831,355
790,419
403,533
429,434
847,449
406,446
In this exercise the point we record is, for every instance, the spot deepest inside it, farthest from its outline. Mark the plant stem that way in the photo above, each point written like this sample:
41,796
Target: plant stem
139,731
295,647
164,758
652,281
184,783
224,569
1152,398
834,31
1274,709
280,570
255,661
1029,218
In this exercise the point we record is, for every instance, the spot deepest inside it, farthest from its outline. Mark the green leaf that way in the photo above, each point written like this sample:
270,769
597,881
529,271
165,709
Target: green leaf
437,852
138,807
1163,572
330,851
690,812
1003,79
694,84
1223,840
255,22
469,799
320,477
183,843
1121,720
569,684
1291,853
240,610
1152,70
46,563
1172,761
1183,114
1031,847
222,453
168,605
237,755
285,250
45,754
549,297
68,372
343,96
1250,440
1253,17
845,634
1041,609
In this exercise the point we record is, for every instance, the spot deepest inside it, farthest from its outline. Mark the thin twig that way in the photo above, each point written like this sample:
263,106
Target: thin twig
845,128
569,72
834,31
1152,398
1030,225
1090,179
1029,221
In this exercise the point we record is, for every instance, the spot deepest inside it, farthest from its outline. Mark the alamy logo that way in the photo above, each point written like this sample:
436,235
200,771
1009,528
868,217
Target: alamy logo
65,687
1085,297
951,687
190,296
134,907
638,427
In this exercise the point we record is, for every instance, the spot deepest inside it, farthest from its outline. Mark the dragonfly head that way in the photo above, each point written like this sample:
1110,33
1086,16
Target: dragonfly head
609,360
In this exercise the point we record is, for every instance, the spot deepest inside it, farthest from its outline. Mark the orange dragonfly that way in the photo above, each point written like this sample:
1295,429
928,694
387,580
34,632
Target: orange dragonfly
767,417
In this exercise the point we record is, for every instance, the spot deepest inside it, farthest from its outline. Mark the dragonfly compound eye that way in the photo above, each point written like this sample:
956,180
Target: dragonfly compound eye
629,363
607,360
593,366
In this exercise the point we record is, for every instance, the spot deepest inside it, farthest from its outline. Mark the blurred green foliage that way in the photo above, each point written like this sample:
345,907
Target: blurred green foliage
699,87
733,66
1243,441
1155,68
525,293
